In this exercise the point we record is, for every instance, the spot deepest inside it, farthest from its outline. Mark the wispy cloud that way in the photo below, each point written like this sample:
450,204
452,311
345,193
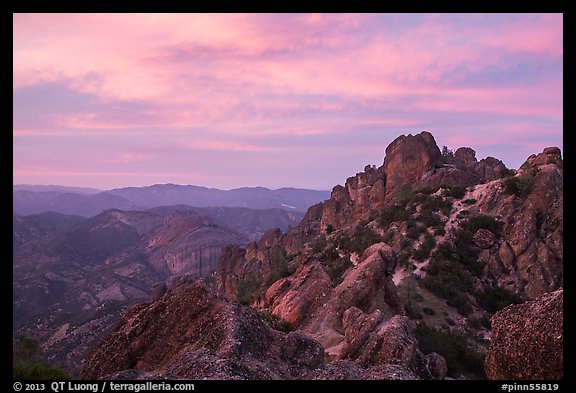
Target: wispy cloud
239,83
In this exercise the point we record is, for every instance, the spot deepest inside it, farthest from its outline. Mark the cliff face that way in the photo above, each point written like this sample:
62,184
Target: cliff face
188,243
528,340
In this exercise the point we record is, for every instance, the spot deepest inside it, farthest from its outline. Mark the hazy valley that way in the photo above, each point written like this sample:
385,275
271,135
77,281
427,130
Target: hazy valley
74,275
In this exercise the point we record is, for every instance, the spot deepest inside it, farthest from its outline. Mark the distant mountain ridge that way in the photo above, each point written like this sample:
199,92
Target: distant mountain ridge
32,199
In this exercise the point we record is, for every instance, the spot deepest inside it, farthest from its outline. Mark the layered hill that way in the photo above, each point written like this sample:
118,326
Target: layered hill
401,269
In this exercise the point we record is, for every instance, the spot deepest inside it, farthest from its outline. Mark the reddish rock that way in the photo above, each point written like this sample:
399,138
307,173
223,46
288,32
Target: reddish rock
466,155
297,298
528,340
373,340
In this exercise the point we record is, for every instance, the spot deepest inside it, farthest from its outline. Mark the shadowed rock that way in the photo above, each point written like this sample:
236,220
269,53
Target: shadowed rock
191,332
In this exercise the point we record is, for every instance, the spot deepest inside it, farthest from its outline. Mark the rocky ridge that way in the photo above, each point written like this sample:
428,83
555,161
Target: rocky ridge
505,241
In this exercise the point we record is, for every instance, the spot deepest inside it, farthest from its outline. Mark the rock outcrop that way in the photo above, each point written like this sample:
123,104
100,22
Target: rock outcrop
355,320
527,340
308,301
192,333
408,158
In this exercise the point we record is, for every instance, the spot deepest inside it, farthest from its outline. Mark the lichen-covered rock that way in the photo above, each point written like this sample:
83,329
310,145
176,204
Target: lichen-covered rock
484,238
346,370
527,340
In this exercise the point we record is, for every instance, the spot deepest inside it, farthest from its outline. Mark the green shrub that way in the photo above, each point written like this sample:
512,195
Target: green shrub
434,203
412,310
278,265
275,322
329,254
482,322
521,186
470,201
414,230
456,191
429,218
403,194
428,190
247,289
428,311
336,268
38,371
406,242
364,238
344,243
418,298
439,230
506,173
493,299
444,252
403,257
393,213
447,154
27,363
424,250
329,229
483,221
449,280
460,358
275,275
466,253
318,244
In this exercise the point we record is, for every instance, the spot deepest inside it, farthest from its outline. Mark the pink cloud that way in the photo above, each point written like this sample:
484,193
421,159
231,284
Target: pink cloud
217,82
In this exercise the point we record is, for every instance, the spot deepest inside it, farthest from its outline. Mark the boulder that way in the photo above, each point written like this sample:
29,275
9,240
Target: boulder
484,238
528,340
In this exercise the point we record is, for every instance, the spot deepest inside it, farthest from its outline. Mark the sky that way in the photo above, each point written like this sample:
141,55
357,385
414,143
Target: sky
274,100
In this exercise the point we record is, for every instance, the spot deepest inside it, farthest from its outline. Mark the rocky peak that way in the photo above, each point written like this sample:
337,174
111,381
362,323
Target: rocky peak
408,158
466,155
550,155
